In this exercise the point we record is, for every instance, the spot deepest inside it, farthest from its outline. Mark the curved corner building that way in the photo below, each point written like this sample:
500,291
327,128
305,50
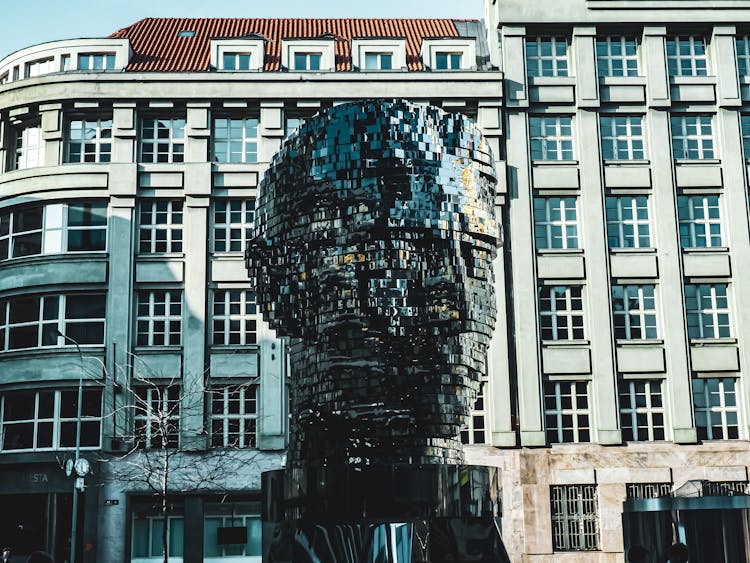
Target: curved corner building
375,236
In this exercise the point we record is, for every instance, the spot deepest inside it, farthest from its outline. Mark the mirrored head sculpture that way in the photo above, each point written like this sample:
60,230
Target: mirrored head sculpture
373,247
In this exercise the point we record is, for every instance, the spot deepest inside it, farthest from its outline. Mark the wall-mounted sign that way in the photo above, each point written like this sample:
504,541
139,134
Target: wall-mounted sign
111,502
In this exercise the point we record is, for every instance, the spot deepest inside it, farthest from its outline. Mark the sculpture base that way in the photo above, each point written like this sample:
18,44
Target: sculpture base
389,514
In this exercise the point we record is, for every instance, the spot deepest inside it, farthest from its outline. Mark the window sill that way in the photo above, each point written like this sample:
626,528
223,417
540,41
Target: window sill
713,341
159,256
554,163
696,161
626,163
705,249
156,349
233,348
622,80
552,80
45,258
628,250
559,251
565,343
683,80
651,342
86,350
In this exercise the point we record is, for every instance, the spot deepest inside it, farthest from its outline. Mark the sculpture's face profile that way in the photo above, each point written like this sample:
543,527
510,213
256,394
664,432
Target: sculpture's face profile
375,234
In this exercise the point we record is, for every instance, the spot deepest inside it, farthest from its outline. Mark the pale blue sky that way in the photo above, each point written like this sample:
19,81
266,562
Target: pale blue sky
27,22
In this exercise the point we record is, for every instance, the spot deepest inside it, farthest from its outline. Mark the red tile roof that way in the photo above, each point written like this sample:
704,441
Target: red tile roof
157,46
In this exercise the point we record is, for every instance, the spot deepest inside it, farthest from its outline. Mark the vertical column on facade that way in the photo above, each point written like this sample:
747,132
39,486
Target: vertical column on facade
123,132
655,61
271,129
197,132
514,65
584,53
723,51
51,132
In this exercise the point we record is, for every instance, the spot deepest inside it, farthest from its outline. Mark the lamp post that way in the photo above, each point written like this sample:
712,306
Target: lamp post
77,466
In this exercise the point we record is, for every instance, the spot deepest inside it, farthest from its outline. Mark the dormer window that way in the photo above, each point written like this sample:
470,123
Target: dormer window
96,61
448,61
449,53
308,55
236,61
378,61
237,54
307,61
373,54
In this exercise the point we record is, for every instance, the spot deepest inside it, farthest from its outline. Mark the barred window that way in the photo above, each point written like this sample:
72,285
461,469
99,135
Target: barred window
561,312
575,518
692,137
547,56
641,410
47,420
686,56
551,137
475,431
628,224
33,321
233,224
634,311
234,416
159,317
555,222
637,491
700,221
89,140
235,140
157,416
30,145
617,56
162,140
622,137
743,55
566,412
235,317
707,307
160,226
716,410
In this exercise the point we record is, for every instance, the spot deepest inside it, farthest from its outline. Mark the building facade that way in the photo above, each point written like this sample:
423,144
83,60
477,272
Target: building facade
128,171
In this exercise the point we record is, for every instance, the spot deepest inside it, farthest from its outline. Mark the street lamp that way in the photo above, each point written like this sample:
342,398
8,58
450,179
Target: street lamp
79,465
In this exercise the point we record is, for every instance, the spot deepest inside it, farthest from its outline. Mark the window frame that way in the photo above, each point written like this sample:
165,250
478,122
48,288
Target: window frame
174,140
585,498
713,313
245,434
238,130
572,330
617,228
154,233
148,322
227,228
649,411
535,66
39,67
605,59
548,229
694,229
615,144
681,138
676,61
100,145
576,414
644,312
476,429
109,61
551,138
174,549
237,61
247,319
742,46
309,58
29,149
704,408
167,397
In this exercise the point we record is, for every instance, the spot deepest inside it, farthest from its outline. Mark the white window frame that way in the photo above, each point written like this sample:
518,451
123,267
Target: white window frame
29,151
361,47
162,150
174,549
167,399
572,317
108,61
624,224
235,314
700,221
551,138
607,58
236,133
709,411
323,47
245,46
624,136
559,64
56,421
707,308
147,317
694,63
232,231
637,302
464,46
549,229
245,433
689,145
476,431
155,232
579,412
575,517
651,407
39,67
93,136
743,55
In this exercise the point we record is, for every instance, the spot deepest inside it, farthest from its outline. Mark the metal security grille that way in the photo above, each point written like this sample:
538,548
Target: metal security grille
725,488
637,491
575,524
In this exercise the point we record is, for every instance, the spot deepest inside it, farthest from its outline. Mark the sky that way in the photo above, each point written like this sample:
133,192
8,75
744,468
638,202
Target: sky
28,22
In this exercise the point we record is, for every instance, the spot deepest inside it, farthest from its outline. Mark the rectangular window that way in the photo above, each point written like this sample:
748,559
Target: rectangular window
47,420
575,520
692,137
686,56
29,149
555,222
617,56
39,67
235,317
622,137
291,124
700,221
707,308
53,229
638,491
89,140
641,410
233,224
159,317
743,55
236,61
547,56
745,122
551,137
234,415
378,61
4,78
628,223
307,61
156,416
96,61
448,61
33,321
237,516
235,140
147,532
716,410
160,226
475,432
566,412
634,312
561,312
162,140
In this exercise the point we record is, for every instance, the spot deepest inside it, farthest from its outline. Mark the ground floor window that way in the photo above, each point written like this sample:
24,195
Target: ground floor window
575,525
147,543
232,532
